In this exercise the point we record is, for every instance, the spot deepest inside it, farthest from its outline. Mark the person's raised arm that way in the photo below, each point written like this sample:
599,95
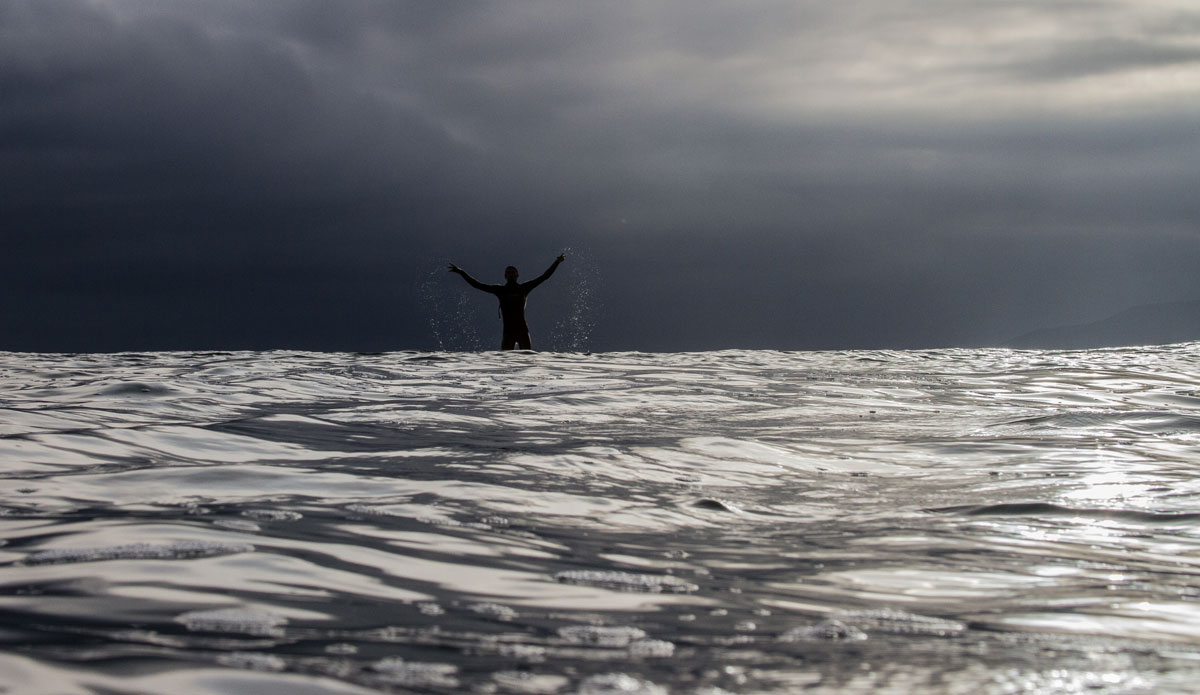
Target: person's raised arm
470,280
546,275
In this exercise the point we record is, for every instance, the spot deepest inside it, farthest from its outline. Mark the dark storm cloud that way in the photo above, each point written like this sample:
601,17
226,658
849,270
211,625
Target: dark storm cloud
771,173
176,110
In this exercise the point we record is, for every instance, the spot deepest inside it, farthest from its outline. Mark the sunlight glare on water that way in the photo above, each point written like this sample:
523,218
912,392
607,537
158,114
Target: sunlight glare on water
952,521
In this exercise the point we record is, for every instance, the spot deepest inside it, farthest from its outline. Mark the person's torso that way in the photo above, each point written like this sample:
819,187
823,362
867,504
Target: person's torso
512,303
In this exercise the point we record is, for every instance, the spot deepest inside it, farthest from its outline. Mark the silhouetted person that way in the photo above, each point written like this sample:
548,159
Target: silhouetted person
512,295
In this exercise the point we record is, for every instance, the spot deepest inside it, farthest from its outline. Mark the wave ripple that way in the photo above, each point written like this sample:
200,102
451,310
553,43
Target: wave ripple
943,521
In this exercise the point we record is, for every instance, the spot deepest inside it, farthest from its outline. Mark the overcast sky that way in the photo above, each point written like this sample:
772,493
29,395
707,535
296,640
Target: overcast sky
758,174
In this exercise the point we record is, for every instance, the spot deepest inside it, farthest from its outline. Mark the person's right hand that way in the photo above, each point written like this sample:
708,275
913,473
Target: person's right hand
455,269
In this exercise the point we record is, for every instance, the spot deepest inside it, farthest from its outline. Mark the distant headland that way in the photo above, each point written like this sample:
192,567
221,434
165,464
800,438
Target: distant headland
1149,324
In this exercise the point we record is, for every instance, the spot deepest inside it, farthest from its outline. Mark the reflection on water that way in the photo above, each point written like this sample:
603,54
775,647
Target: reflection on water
731,522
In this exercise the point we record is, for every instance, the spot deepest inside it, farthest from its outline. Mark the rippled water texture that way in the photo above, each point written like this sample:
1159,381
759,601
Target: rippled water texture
961,521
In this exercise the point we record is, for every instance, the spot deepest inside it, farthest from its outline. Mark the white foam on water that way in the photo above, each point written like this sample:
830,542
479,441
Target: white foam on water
493,610
826,630
895,621
430,609
526,683
627,581
341,648
651,648
601,635
416,674
234,620
252,660
182,550
272,514
618,684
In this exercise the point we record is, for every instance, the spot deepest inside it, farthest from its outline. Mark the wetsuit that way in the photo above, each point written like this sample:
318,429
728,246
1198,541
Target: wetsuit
512,296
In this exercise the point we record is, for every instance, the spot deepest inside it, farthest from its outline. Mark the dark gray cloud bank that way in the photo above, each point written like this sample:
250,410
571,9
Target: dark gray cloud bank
765,174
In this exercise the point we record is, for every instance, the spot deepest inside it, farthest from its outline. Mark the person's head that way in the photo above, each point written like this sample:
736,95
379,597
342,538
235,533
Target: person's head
510,274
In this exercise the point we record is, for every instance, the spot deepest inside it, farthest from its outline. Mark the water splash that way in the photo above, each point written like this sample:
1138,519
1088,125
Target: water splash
459,319
449,310
573,332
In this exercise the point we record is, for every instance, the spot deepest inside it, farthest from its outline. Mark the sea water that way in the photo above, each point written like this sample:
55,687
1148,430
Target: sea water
954,521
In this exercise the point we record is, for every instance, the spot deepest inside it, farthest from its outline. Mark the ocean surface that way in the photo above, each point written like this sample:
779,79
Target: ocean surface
951,521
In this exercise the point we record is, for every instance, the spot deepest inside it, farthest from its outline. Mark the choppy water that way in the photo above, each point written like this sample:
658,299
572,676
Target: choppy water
957,521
